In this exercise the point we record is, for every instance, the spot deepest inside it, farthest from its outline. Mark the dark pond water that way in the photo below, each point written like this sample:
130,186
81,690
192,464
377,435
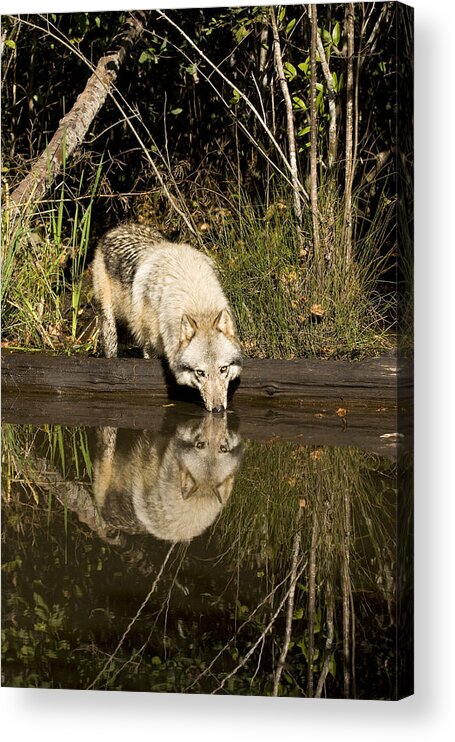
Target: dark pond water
189,559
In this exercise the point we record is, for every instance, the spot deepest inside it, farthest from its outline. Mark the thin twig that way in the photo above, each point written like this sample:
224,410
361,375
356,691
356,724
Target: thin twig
75,124
133,620
242,126
111,90
139,651
328,641
290,608
247,621
312,599
258,641
290,125
242,95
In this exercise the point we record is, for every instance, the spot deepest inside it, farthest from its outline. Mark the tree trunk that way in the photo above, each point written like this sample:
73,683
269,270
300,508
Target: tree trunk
348,630
311,605
246,100
263,87
314,142
290,127
332,146
74,125
349,166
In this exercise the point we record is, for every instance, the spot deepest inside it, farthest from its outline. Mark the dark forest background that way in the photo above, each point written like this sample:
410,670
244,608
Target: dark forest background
278,139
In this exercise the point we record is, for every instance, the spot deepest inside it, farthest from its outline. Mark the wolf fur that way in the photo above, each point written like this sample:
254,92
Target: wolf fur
170,298
172,488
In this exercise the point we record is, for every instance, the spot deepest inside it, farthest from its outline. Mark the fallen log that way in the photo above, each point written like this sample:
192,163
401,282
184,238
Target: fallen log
367,405
374,381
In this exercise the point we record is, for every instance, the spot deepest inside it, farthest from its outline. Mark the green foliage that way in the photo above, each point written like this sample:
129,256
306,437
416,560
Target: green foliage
290,71
275,291
44,287
207,145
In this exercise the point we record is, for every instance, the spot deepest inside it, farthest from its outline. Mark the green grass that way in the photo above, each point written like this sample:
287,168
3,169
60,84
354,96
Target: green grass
280,479
45,281
284,307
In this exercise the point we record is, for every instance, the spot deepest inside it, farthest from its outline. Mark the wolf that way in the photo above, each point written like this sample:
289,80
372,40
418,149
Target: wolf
170,298
172,487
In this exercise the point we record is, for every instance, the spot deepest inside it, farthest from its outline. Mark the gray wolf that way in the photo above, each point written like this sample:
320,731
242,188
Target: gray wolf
170,297
171,487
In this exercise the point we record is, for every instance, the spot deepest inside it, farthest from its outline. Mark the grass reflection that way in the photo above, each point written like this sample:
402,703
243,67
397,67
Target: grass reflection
290,590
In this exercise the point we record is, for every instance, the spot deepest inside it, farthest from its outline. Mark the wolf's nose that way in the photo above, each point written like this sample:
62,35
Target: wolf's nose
218,408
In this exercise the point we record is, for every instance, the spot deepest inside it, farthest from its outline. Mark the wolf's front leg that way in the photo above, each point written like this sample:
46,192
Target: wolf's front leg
106,439
148,351
108,333
152,347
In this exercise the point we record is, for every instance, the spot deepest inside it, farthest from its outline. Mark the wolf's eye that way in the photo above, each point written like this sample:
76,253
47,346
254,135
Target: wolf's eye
223,369
200,444
199,372
224,449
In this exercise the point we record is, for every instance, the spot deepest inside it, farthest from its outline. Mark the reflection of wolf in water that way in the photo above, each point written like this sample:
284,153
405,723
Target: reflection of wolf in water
172,488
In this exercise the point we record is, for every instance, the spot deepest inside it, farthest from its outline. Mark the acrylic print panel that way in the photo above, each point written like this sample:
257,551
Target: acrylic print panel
148,543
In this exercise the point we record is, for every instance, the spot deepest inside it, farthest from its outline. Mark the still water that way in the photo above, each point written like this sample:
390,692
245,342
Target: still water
190,559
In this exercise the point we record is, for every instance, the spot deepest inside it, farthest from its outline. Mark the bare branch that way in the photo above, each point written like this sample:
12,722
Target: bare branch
373,38
349,165
290,609
258,641
268,598
134,619
290,127
240,94
312,600
241,125
128,121
332,148
312,11
75,124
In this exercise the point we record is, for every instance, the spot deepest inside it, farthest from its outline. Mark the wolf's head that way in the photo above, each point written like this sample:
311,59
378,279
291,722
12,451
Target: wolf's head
209,357
208,455
179,492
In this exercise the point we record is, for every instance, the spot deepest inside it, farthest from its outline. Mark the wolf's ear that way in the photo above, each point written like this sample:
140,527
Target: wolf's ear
225,324
188,328
188,484
224,489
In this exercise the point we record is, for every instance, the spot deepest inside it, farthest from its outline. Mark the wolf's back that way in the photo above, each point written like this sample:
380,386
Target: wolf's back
124,247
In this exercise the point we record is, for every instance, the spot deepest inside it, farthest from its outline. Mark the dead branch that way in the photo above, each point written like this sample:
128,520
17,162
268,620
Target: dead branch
241,95
290,126
314,141
111,657
349,166
268,598
258,641
290,608
312,599
75,124
332,148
